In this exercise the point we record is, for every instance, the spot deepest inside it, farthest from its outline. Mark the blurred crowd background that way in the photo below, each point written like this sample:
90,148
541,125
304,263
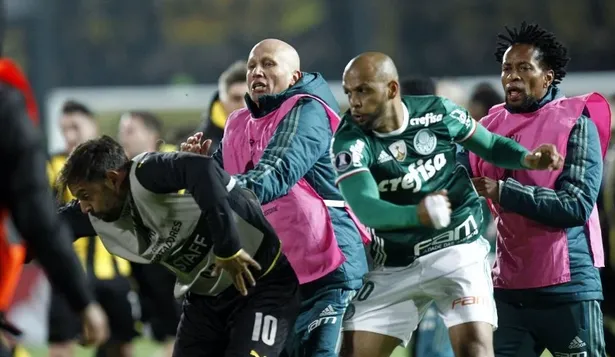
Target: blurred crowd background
172,57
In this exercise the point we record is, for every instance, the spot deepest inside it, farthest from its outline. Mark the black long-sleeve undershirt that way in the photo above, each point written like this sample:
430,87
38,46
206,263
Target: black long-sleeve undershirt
164,173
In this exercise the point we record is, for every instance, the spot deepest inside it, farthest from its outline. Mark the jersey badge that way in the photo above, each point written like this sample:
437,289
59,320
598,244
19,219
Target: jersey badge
425,142
343,160
398,149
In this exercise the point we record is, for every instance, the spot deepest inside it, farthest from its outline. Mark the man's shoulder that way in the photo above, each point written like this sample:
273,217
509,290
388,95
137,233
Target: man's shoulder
348,132
420,104
311,105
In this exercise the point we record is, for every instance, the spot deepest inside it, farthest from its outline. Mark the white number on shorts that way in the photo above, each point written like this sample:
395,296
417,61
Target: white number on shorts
365,291
265,328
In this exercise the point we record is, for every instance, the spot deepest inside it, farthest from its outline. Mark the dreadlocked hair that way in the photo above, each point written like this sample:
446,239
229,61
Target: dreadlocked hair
552,53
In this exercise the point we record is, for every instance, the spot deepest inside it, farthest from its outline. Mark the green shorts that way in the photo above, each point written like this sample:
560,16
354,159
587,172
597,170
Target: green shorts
567,330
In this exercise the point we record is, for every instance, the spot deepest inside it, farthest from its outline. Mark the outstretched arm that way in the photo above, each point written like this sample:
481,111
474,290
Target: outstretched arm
472,136
496,149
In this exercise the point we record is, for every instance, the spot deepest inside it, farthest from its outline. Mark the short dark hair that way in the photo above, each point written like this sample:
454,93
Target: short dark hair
418,86
235,73
90,161
485,94
73,107
552,53
150,121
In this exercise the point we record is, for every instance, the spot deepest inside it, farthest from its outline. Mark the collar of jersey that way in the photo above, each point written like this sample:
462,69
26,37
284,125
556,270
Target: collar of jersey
401,129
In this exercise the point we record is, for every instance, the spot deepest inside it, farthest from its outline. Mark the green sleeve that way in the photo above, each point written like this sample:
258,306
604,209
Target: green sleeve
458,121
496,149
350,153
361,193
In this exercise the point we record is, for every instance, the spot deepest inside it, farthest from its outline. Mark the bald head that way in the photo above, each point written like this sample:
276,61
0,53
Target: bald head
273,66
373,67
372,85
281,49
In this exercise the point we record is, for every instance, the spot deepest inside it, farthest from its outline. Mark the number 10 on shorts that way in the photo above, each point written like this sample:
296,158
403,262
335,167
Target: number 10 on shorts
265,328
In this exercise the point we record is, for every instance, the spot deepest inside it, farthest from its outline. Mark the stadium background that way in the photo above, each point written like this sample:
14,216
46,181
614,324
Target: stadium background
166,56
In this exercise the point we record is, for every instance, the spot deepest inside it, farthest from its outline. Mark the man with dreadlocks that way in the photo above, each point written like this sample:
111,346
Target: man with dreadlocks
549,248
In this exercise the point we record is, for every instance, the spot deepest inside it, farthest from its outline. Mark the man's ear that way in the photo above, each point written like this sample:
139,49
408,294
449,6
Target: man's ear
393,89
113,179
549,77
296,77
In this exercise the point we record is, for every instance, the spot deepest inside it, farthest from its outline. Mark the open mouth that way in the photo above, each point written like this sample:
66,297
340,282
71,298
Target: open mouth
359,119
258,87
514,93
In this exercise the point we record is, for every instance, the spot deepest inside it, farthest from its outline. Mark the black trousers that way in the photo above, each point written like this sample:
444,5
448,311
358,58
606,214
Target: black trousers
233,325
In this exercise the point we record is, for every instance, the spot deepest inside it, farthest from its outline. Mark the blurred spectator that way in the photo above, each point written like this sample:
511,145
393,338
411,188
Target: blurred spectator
77,124
452,90
418,86
140,131
232,88
483,97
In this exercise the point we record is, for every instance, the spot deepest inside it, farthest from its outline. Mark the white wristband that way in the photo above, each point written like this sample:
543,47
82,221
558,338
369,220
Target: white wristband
437,208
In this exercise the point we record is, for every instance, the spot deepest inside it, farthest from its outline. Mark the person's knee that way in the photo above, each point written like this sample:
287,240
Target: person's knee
473,339
476,348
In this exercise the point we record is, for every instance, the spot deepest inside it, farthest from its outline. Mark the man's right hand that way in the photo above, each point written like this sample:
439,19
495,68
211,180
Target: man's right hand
238,268
193,144
435,210
95,325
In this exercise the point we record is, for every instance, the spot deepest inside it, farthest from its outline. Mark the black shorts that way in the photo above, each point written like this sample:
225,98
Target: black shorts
115,296
233,325
159,307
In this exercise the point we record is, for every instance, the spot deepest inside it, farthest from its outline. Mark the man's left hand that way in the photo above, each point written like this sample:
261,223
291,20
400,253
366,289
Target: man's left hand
487,188
195,144
544,157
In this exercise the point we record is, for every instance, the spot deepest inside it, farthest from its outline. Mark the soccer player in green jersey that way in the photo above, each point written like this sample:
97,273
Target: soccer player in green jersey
396,166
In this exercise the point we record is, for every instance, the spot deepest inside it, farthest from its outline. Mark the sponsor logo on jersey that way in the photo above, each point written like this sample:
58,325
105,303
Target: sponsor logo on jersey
384,157
163,246
398,149
464,231
418,173
425,142
426,120
342,160
462,117
356,150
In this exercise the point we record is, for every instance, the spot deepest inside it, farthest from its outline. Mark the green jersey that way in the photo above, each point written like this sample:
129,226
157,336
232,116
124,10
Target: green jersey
407,164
